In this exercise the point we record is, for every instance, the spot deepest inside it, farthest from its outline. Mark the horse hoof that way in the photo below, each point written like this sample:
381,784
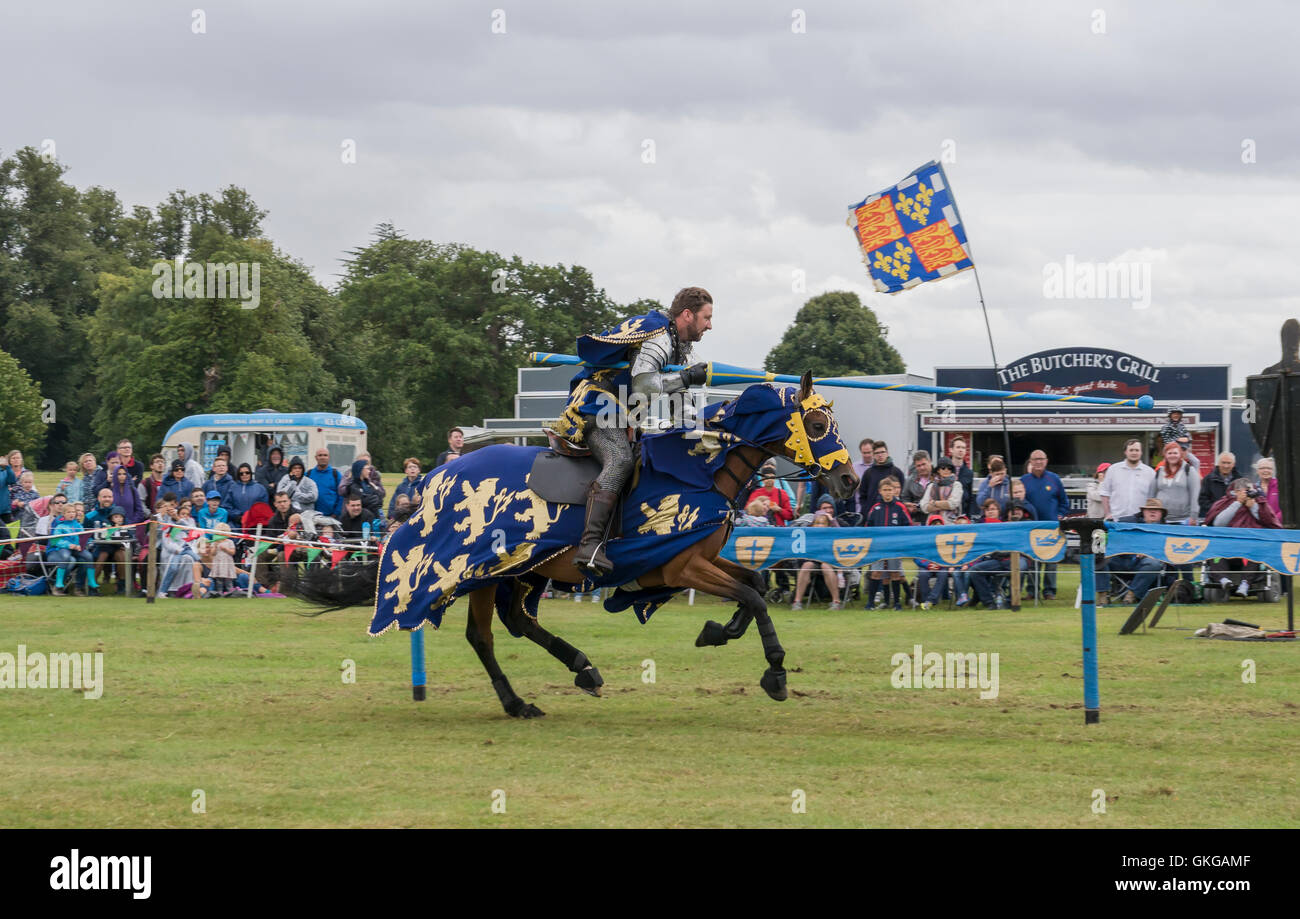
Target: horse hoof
525,710
773,683
711,635
589,681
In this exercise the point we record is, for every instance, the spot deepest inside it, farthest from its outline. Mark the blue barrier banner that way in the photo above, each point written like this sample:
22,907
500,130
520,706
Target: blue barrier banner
851,547
1183,545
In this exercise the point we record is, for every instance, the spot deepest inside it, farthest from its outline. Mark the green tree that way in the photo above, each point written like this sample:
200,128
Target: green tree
21,424
834,334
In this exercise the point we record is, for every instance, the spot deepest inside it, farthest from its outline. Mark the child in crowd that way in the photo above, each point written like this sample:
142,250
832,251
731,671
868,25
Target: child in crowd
213,513
65,551
887,512
69,485
1175,431
219,555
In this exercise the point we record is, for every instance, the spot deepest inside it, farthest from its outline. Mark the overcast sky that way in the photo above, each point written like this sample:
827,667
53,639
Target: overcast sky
1096,131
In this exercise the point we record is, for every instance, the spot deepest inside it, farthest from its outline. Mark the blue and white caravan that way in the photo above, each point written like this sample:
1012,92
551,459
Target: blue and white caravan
250,435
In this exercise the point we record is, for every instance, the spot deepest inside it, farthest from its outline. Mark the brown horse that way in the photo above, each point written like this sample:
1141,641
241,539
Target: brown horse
814,444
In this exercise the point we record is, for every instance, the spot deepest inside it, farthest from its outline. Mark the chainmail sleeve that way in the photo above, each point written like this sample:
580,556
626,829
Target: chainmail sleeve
648,377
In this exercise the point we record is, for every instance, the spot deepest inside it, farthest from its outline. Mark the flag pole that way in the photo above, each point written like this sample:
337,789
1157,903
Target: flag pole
979,288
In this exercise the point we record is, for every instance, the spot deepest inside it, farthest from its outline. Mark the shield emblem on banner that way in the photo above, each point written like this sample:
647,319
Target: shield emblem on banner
849,552
752,551
1180,551
1291,556
1046,543
952,547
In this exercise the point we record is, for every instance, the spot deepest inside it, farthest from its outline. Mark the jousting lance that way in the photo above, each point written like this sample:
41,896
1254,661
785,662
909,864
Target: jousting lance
722,374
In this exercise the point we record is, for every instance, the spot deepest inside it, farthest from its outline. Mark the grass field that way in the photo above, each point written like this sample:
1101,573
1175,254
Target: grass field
246,701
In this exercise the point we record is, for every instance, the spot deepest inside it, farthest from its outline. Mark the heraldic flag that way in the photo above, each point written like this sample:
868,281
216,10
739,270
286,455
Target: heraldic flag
911,233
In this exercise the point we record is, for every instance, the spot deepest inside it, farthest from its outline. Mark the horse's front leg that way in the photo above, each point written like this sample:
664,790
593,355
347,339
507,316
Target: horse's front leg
715,633
710,578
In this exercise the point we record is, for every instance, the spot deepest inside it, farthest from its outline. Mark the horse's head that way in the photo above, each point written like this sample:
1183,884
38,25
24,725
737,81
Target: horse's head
814,442
794,422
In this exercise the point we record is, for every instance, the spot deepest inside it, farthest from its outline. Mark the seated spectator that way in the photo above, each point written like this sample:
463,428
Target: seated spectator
212,513
987,572
944,496
244,493
285,524
932,577
114,545
1244,507
997,486
829,574
780,512
757,513
918,480
1266,475
409,485
357,520
97,516
887,512
825,505
1096,506
990,511
1215,484
1144,569
400,509
272,469
72,563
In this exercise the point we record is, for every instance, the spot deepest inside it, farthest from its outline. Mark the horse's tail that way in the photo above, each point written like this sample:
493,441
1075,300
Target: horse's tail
349,583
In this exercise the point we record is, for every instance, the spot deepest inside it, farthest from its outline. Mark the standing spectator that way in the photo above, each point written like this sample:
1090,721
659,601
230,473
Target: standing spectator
455,441
1126,485
996,486
326,479
176,481
126,454
7,481
1266,473
1245,507
865,446
1215,485
361,486
244,494
157,477
106,475
89,473
918,480
373,476
16,464
193,468
959,453
302,494
945,495
1096,508
68,486
883,468
887,512
221,481
1045,492
778,499
409,485
21,498
1178,487
272,469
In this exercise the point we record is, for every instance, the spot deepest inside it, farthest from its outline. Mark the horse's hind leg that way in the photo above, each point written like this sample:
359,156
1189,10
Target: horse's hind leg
478,632
715,633
587,677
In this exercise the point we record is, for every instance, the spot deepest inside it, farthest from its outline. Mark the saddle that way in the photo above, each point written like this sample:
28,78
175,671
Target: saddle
562,479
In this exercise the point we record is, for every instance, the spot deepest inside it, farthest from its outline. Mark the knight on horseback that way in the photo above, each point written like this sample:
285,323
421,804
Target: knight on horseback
648,344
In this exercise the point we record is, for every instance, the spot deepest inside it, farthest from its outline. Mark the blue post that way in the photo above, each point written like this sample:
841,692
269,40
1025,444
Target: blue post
1088,609
417,665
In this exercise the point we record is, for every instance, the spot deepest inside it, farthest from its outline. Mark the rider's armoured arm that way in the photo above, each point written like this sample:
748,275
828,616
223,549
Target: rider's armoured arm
648,376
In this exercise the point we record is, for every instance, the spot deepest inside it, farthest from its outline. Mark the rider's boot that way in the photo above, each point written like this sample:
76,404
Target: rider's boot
591,554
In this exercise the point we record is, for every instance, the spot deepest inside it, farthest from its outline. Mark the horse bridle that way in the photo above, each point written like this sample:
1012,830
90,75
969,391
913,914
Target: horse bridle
808,476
